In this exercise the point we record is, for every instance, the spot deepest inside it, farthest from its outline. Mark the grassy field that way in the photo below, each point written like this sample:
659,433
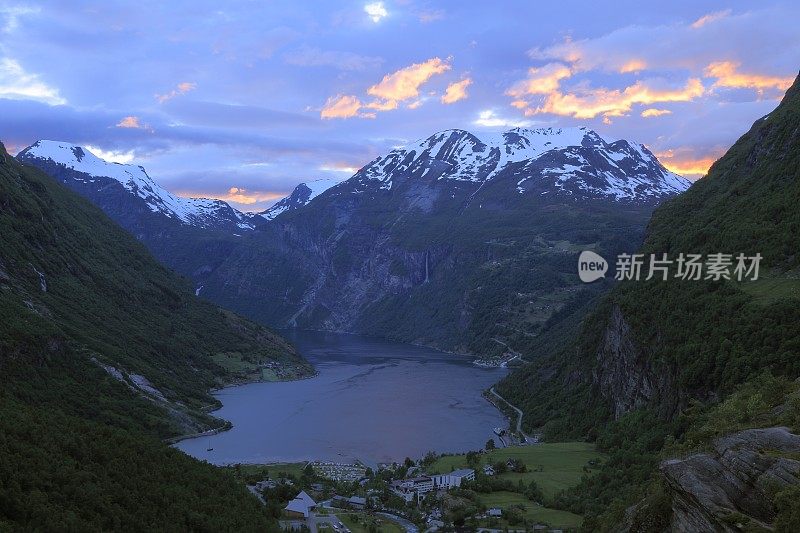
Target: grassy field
533,511
275,470
767,290
554,466
244,370
359,523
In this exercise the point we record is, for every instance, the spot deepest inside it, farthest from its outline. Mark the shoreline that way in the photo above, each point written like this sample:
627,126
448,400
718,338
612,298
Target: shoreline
227,425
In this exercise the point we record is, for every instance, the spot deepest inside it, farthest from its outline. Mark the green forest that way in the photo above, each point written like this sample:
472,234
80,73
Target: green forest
83,308
724,355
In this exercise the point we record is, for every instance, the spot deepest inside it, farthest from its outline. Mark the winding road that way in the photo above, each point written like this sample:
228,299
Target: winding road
528,439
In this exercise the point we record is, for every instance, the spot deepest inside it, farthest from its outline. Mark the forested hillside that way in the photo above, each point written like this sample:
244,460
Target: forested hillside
661,369
103,353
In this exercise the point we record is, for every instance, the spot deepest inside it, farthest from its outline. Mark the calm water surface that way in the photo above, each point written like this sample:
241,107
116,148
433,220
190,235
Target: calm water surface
373,400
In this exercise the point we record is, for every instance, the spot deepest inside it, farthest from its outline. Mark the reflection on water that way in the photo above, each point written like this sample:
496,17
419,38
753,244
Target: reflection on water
373,400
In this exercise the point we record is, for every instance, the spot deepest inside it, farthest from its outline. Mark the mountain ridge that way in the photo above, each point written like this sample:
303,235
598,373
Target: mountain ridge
89,168
429,216
662,371
103,354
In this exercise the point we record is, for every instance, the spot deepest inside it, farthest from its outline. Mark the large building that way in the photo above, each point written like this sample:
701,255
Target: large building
301,506
453,479
415,486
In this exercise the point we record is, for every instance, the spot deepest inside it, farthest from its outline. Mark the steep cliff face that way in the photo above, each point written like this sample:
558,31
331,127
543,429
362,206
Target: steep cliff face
731,487
626,374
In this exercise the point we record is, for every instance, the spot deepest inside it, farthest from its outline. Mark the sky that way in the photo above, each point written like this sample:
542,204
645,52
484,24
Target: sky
244,100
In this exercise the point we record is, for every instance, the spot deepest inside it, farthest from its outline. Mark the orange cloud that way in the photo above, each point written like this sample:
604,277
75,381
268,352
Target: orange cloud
728,75
589,103
634,65
543,80
456,91
131,122
393,89
711,17
405,83
181,88
686,163
386,105
653,112
341,106
244,196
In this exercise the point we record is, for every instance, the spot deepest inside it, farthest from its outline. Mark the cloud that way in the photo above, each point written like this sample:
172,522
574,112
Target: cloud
430,15
728,75
376,11
583,101
342,106
201,112
404,84
10,15
243,196
542,80
653,112
17,84
490,119
711,17
131,122
758,37
634,65
111,155
456,91
181,88
307,56
399,86
345,168
686,161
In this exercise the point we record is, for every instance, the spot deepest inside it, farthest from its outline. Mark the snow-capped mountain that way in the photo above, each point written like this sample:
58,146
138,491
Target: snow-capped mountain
301,195
574,161
81,169
457,236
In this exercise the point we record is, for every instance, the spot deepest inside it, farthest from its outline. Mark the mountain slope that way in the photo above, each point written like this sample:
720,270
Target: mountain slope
176,230
454,241
103,353
301,195
671,368
79,168
575,161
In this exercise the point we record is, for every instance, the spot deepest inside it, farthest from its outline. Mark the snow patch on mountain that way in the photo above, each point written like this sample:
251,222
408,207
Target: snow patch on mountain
629,171
301,195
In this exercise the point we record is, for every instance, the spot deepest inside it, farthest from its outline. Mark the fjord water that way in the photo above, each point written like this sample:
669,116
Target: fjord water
373,400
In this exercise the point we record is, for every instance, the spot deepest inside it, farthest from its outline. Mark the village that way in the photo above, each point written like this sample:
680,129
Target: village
488,490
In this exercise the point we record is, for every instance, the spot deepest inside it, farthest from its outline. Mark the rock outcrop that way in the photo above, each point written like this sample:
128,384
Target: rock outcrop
731,487
626,374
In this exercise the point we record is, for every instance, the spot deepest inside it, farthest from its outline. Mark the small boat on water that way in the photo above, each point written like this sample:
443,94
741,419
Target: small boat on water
210,448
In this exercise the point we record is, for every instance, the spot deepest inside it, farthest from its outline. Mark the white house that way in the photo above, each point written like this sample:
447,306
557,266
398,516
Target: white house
301,506
407,488
453,479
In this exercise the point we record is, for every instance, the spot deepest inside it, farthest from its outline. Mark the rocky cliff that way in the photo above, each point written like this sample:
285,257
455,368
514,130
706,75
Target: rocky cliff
731,487
626,374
